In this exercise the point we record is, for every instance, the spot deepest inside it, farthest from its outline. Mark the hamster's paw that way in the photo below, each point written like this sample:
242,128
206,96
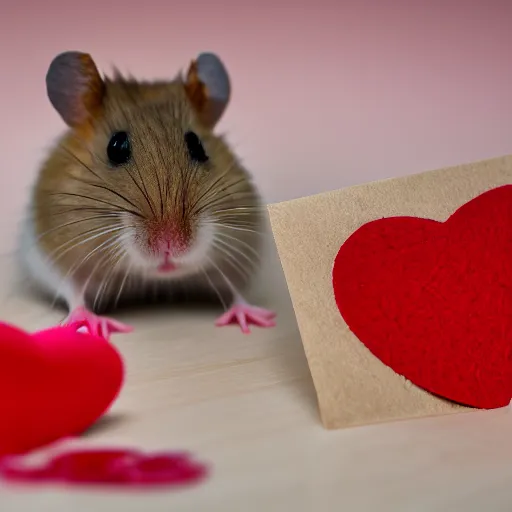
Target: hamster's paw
244,314
96,325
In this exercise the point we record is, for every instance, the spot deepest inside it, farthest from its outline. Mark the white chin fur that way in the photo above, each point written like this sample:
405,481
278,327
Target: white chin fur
187,264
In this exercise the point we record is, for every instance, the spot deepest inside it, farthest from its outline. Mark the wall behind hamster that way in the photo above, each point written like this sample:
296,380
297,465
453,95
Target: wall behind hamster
327,93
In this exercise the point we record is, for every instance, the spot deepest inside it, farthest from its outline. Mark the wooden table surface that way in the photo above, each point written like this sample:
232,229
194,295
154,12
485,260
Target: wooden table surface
246,405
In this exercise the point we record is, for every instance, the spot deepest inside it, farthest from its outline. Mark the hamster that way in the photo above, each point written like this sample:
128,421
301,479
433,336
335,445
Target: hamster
139,193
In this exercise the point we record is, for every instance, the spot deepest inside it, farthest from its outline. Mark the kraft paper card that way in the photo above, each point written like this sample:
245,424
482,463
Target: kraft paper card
402,291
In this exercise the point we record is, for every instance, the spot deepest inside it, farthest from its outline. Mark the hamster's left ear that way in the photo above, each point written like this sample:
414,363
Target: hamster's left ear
208,88
75,87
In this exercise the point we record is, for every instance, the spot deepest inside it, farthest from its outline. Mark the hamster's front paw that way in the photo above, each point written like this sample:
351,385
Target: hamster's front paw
96,325
244,314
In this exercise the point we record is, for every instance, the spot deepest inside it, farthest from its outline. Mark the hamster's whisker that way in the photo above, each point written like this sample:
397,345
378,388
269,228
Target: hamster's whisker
164,128
98,231
101,291
237,223
186,193
80,161
240,218
111,252
65,225
180,195
255,262
149,201
222,225
228,282
72,271
107,189
233,188
206,192
107,245
160,190
249,210
83,209
160,186
231,217
123,282
219,196
145,193
224,200
234,220
212,186
242,242
244,270
97,234
186,177
212,284
109,259
116,207
97,176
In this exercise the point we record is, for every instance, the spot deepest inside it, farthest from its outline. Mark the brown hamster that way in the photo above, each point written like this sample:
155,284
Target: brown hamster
140,193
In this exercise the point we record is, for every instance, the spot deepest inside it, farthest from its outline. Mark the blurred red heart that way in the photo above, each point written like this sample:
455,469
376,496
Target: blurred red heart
433,300
53,384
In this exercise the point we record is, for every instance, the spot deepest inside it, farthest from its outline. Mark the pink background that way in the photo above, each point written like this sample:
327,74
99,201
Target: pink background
326,93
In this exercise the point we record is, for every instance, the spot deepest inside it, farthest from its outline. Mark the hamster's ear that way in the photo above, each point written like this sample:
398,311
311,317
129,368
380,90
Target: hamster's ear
74,87
208,88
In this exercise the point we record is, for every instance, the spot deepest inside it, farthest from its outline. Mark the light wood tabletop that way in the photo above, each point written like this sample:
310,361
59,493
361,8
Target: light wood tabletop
245,404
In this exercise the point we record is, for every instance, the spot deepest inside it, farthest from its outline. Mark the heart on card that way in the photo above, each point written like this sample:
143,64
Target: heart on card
53,384
433,300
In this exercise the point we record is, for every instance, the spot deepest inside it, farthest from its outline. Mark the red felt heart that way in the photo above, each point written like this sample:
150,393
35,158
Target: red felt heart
433,300
53,384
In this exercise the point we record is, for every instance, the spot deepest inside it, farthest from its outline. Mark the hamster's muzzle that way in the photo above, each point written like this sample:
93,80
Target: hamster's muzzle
169,246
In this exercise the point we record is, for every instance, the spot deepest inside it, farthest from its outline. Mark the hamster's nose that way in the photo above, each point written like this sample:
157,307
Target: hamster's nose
167,241
164,246
170,248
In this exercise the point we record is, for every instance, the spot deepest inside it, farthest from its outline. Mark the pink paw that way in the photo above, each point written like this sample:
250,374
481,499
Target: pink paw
244,315
96,325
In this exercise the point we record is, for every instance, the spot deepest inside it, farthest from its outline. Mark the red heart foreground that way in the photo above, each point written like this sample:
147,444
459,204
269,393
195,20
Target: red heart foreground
53,384
433,300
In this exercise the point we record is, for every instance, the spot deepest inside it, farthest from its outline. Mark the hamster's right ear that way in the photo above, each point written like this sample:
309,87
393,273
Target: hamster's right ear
74,87
208,87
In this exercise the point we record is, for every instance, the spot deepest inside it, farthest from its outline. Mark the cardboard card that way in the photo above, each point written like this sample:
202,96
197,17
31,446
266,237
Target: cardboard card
407,289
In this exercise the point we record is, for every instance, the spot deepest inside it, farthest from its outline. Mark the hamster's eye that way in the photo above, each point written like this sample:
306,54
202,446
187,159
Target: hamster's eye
118,149
195,148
